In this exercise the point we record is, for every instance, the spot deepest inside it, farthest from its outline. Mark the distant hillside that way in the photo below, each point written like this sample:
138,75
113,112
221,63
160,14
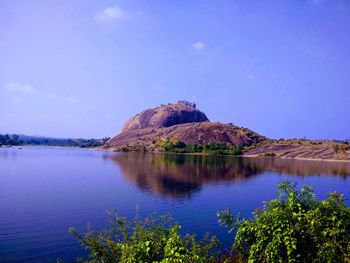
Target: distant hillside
20,139
303,149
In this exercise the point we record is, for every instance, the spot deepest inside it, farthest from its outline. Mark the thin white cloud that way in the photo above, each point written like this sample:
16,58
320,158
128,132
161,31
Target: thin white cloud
159,88
52,95
72,100
17,87
17,100
113,13
198,45
250,76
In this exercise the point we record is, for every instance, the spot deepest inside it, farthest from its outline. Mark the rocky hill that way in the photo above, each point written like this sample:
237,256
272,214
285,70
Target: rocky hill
180,127
181,122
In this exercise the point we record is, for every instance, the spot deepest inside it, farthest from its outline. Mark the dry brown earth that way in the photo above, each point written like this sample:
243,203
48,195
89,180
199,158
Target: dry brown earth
302,149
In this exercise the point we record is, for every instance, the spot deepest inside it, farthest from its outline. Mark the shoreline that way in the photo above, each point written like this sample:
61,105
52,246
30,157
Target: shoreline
228,155
298,158
37,146
196,154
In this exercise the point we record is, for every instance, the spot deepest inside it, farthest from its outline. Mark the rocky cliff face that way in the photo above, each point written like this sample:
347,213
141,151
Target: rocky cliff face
180,121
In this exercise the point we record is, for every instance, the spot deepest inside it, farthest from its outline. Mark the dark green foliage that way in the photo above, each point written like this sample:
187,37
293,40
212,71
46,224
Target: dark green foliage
154,239
14,139
6,139
341,147
209,148
336,148
295,227
176,146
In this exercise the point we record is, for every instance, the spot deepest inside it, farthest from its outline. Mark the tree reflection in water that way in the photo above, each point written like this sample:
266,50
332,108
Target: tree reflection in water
180,176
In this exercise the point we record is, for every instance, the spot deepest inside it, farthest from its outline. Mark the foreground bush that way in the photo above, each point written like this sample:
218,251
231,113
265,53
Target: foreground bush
154,239
295,227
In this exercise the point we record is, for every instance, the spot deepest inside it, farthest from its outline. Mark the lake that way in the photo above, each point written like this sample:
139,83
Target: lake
46,190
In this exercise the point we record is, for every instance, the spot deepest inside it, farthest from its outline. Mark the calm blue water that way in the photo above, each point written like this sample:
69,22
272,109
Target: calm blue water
44,191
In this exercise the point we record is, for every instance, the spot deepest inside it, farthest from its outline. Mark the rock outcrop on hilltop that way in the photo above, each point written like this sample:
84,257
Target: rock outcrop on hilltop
180,121
165,116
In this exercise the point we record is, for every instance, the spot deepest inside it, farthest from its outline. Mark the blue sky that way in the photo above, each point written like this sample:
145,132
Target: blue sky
81,68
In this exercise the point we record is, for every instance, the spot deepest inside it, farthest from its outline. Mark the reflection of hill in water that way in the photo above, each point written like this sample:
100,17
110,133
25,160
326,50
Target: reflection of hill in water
301,167
179,176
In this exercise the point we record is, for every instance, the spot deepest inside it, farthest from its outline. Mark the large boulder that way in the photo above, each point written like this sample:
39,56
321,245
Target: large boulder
165,116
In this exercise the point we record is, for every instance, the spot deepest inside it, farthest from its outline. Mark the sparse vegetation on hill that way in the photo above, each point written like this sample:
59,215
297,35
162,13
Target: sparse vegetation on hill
302,149
341,147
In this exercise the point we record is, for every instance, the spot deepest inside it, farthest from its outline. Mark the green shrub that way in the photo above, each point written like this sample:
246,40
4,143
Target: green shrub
270,154
218,148
154,239
295,227
336,148
341,147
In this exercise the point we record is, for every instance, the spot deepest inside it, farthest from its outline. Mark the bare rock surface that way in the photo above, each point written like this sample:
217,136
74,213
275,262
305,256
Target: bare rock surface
165,116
